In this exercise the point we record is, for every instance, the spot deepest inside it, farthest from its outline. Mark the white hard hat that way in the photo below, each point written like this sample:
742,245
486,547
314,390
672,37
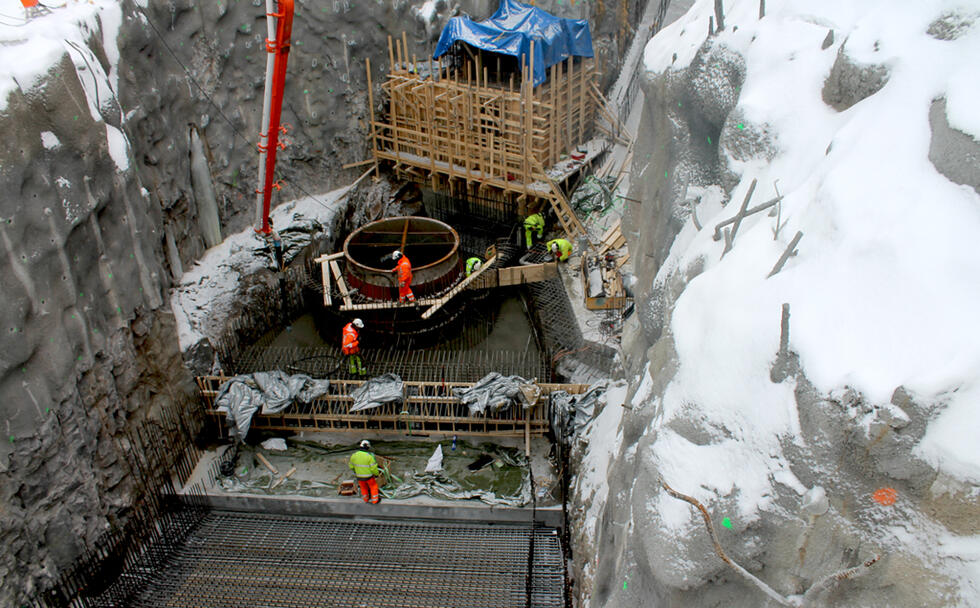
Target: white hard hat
366,445
358,323
477,265
554,246
396,254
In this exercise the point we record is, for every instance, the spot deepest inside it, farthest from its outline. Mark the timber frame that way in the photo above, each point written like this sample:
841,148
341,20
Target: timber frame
465,124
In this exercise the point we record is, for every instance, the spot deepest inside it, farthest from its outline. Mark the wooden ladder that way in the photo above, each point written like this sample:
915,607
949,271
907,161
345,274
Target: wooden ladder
563,211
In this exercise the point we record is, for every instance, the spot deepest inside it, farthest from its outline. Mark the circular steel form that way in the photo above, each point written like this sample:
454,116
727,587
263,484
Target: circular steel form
432,247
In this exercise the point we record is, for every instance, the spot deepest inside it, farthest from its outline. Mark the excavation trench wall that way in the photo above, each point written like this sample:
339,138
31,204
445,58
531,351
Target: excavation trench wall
100,217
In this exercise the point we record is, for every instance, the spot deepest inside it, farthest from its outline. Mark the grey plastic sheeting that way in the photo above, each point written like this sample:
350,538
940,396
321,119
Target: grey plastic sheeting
494,392
382,389
241,397
569,413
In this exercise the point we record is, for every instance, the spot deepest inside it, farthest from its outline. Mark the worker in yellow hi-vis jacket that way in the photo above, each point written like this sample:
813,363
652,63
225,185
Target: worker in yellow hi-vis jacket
365,468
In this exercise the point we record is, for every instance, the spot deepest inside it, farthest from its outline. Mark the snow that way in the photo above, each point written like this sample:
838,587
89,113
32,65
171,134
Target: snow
601,436
31,47
118,147
883,290
49,140
209,292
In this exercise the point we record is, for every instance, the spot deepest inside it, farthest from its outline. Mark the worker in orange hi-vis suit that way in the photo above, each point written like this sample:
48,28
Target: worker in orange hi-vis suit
403,269
351,347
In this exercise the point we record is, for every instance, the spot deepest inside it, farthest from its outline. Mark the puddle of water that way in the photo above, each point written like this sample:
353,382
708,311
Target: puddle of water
321,468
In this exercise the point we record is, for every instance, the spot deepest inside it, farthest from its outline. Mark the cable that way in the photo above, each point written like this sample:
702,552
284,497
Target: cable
200,88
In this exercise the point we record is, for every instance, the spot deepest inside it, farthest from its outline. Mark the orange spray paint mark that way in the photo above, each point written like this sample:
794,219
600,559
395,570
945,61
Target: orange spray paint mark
885,496
29,3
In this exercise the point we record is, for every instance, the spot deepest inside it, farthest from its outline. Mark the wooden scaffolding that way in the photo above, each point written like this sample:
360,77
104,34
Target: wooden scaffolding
471,120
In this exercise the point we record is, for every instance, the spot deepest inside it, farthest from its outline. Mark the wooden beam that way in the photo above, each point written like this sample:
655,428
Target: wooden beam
359,163
329,256
341,284
325,271
458,288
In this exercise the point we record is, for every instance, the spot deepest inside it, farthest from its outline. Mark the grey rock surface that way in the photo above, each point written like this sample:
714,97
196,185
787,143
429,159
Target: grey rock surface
850,82
954,153
90,249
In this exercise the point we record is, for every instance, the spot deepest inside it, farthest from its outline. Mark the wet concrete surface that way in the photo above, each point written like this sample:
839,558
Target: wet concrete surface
321,464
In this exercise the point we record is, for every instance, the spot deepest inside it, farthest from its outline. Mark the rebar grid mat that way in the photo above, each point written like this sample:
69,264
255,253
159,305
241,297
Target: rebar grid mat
555,316
238,559
412,366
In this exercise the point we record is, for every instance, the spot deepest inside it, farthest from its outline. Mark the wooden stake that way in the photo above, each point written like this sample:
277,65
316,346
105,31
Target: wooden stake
374,135
266,463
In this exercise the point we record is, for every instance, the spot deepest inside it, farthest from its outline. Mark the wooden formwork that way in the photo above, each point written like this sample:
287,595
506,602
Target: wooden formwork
426,408
461,123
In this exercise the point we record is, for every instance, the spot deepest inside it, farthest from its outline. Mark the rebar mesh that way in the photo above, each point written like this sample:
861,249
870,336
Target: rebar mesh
237,559
412,366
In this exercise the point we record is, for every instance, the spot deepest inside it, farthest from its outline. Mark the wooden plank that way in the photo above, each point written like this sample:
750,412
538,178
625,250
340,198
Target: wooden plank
374,135
325,271
329,256
459,287
266,463
341,284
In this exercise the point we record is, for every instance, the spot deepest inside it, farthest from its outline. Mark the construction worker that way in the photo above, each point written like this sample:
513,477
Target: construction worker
403,269
560,248
365,467
351,347
472,265
534,224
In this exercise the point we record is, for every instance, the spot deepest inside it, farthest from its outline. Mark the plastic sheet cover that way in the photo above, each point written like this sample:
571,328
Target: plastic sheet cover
569,413
382,389
510,30
495,392
271,392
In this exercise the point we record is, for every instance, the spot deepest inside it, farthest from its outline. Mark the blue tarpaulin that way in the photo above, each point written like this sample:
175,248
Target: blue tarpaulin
510,31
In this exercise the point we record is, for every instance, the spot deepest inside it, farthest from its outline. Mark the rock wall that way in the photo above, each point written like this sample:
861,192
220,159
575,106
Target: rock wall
99,218
847,446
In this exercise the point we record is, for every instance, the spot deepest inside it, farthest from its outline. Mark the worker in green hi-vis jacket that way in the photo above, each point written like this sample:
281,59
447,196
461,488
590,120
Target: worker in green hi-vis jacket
472,265
533,227
560,248
365,468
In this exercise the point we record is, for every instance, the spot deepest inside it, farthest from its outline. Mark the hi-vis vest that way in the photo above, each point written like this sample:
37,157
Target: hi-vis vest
404,269
350,345
564,248
363,464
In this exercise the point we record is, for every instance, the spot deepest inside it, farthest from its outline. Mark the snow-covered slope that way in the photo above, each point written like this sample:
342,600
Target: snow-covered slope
830,107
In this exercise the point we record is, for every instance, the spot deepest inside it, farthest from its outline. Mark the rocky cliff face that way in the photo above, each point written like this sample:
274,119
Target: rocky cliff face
99,217
817,518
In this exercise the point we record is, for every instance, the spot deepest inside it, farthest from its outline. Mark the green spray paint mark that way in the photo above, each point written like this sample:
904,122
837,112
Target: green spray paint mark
665,174
727,523
110,275
47,410
11,439
709,140
76,117
118,309
306,91
329,90
740,126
